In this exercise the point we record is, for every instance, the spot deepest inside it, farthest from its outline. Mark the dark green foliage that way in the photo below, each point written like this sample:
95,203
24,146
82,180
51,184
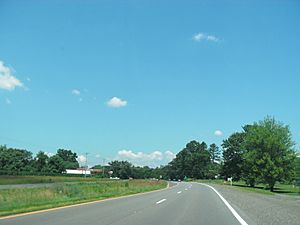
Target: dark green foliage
69,158
297,170
121,169
15,159
194,161
18,161
215,153
233,156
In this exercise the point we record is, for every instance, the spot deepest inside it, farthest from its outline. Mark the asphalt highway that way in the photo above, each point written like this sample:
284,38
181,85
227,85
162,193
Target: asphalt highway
182,204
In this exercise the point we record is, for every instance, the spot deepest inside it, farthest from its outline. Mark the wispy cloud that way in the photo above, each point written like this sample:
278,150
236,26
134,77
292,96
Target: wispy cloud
7,80
116,102
7,101
81,159
218,133
205,37
75,92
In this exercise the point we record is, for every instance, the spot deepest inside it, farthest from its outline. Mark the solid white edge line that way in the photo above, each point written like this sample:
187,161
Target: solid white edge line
232,210
160,201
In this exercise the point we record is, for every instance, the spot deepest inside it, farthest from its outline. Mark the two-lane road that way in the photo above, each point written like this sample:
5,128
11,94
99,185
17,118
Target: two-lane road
183,204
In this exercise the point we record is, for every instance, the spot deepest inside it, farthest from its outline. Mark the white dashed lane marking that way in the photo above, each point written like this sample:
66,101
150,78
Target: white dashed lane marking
161,201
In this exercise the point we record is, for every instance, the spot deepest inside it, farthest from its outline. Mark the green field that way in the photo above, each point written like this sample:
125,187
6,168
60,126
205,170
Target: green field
260,188
42,179
20,200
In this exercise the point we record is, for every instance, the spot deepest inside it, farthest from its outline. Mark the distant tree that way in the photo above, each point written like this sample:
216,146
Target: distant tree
269,151
297,170
15,160
41,162
215,153
69,158
233,156
121,169
193,162
56,164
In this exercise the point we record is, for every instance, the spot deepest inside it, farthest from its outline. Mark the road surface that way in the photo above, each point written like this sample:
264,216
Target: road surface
183,204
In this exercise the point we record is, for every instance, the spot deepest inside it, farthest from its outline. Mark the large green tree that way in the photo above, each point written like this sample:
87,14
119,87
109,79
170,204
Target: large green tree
193,162
269,153
233,156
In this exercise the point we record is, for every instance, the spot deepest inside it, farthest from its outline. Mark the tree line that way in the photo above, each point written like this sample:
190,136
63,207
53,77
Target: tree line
262,152
19,161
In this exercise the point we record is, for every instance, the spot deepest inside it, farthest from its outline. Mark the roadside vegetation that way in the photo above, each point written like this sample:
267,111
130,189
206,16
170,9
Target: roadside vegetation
5,179
14,201
262,154
280,188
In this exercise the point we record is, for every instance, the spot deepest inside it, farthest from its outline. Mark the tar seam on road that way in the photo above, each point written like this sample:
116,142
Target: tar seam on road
232,210
161,201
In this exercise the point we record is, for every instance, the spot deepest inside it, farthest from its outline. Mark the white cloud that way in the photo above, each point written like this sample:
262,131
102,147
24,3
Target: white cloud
7,101
7,80
81,159
157,155
170,155
49,154
205,37
218,133
116,102
75,92
152,159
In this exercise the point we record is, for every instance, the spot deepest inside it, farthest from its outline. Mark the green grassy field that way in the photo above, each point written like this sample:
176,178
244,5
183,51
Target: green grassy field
260,188
42,179
14,201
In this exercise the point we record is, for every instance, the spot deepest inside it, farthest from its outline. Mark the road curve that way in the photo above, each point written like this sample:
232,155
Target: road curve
183,204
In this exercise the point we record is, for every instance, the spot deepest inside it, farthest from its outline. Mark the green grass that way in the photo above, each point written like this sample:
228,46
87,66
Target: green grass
14,201
260,188
41,179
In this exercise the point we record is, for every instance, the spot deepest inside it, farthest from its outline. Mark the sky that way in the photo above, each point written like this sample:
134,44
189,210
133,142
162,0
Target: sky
137,80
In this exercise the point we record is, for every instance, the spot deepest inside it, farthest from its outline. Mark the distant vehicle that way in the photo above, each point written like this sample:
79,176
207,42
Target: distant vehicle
114,178
179,180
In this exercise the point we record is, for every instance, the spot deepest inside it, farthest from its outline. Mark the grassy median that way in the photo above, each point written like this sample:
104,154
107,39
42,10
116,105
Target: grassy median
20,200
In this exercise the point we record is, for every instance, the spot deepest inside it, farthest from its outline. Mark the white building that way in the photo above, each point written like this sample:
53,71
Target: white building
78,172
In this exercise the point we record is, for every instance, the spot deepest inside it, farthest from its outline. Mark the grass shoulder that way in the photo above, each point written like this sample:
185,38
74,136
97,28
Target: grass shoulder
20,200
286,189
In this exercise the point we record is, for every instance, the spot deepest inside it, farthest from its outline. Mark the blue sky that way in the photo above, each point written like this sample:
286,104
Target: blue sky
137,80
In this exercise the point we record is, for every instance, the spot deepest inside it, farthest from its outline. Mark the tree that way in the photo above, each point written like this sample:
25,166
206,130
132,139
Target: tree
121,169
193,161
233,156
215,153
297,170
269,151
69,158
56,164
41,162
15,160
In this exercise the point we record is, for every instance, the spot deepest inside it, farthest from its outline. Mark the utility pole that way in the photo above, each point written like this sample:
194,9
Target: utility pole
86,154
103,168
